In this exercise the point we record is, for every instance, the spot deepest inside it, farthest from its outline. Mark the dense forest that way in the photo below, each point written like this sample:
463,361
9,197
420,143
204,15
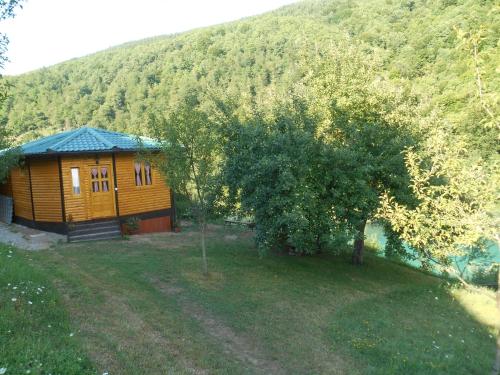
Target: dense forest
254,59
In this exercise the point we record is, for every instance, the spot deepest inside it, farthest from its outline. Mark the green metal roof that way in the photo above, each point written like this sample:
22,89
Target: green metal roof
87,139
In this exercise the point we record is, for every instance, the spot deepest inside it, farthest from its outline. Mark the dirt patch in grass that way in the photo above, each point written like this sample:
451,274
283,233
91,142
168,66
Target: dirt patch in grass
115,323
165,240
245,349
190,237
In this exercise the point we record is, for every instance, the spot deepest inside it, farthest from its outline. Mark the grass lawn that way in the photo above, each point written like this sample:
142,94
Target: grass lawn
142,307
36,336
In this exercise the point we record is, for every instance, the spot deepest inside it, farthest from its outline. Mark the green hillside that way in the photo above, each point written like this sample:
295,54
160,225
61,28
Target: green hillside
255,58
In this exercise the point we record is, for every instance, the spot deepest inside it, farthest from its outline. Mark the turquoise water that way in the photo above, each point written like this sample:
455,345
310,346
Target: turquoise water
375,235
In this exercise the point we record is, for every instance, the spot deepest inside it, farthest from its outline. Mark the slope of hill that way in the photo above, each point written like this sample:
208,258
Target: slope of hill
143,307
253,58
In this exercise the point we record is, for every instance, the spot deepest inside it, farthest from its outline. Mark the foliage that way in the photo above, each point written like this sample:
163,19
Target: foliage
455,199
7,10
132,223
455,182
367,124
9,158
486,275
190,157
274,168
394,247
255,59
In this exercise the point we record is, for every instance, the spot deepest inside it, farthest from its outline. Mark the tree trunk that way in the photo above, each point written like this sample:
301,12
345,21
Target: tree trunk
203,246
359,243
496,366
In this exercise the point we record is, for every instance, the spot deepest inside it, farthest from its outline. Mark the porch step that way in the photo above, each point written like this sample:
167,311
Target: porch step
92,231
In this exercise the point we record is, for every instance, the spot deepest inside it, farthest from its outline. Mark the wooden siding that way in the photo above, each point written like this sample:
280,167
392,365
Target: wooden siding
78,206
21,192
45,181
46,190
134,199
6,188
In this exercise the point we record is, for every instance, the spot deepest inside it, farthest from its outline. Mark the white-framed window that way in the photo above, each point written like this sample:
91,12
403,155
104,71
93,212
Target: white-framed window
75,180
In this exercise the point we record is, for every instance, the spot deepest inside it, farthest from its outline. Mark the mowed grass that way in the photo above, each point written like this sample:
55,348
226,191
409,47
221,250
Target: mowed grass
142,307
36,336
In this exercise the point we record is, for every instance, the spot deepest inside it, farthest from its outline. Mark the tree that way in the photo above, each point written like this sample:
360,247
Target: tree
7,10
273,169
190,158
455,197
10,157
454,177
366,127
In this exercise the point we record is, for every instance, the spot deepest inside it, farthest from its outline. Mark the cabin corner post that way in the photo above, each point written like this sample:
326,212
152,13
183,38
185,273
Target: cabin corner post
61,188
115,181
31,190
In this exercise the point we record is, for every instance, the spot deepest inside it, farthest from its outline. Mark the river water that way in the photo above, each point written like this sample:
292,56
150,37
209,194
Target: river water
375,236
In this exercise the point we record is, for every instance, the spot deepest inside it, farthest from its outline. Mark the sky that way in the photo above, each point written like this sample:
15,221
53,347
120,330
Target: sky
46,32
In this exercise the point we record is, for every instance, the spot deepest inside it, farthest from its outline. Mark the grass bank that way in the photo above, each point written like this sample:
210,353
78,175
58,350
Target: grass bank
142,306
36,336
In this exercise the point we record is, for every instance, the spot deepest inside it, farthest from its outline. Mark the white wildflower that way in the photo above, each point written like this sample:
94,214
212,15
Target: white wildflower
14,299
29,302
3,370
71,334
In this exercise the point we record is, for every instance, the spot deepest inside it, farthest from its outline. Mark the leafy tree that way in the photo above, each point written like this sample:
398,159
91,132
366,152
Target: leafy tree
454,202
366,126
273,169
7,158
455,182
7,10
190,158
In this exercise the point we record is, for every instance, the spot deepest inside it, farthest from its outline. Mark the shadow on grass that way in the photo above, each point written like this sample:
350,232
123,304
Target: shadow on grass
308,314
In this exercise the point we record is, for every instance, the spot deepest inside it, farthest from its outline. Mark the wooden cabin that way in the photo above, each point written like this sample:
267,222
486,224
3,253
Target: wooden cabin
89,183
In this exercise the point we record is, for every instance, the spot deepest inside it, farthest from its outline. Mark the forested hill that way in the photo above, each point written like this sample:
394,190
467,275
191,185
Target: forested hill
254,58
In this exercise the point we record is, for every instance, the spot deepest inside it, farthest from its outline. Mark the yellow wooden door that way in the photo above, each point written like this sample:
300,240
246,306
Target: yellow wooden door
102,198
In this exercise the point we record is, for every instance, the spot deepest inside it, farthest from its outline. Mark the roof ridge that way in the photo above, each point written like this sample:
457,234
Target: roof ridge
101,138
63,141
